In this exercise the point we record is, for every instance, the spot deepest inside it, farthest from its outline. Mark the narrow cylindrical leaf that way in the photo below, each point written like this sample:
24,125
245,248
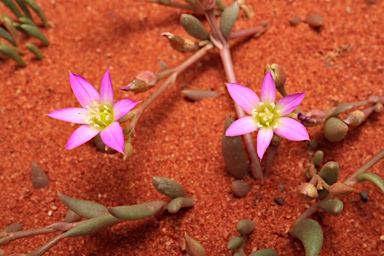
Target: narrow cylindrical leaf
138,211
34,31
168,187
244,227
92,226
36,8
180,202
332,206
197,95
194,248
28,21
9,52
84,208
7,22
33,49
194,27
228,19
235,242
234,153
24,8
12,7
7,36
375,179
264,252
309,232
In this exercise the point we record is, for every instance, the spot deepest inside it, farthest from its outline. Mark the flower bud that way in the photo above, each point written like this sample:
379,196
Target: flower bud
279,77
355,118
181,44
206,5
340,189
335,129
142,82
312,118
128,150
308,191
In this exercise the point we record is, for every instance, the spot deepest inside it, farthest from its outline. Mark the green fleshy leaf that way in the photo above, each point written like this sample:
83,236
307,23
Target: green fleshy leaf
137,211
309,232
12,7
235,242
228,19
194,248
7,36
234,154
92,226
341,108
264,252
332,206
374,178
36,8
7,22
168,187
28,21
330,173
9,52
83,208
194,27
34,31
180,202
245,227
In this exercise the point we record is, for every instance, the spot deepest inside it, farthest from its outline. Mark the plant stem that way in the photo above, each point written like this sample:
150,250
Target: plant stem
225,54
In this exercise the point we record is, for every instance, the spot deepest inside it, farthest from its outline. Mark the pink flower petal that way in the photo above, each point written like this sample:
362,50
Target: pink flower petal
80,136
243,96
71,115
268,89
122,107
264,137
291,129
84,91
290,102
242,126
106,89
113,137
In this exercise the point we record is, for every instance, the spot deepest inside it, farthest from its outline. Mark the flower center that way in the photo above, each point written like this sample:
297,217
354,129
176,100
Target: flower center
99,115
266,115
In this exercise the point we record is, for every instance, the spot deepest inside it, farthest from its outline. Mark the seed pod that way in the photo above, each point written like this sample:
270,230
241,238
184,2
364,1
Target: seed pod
340,189
355,118
142,82
335,129
181,44
308,191
312,118
278,74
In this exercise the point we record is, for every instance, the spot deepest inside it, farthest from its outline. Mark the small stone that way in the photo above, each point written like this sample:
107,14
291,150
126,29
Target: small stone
281,187
294,21
364,196
382,238
315,21
313,144
39,177
279,200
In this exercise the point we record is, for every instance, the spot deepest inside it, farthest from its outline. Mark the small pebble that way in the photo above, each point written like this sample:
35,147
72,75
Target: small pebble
281,187
279,200
382,238
315,21
39,177
313,144
364,196
294,21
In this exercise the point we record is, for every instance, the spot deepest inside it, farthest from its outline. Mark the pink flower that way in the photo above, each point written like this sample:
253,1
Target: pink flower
266,116
99,113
